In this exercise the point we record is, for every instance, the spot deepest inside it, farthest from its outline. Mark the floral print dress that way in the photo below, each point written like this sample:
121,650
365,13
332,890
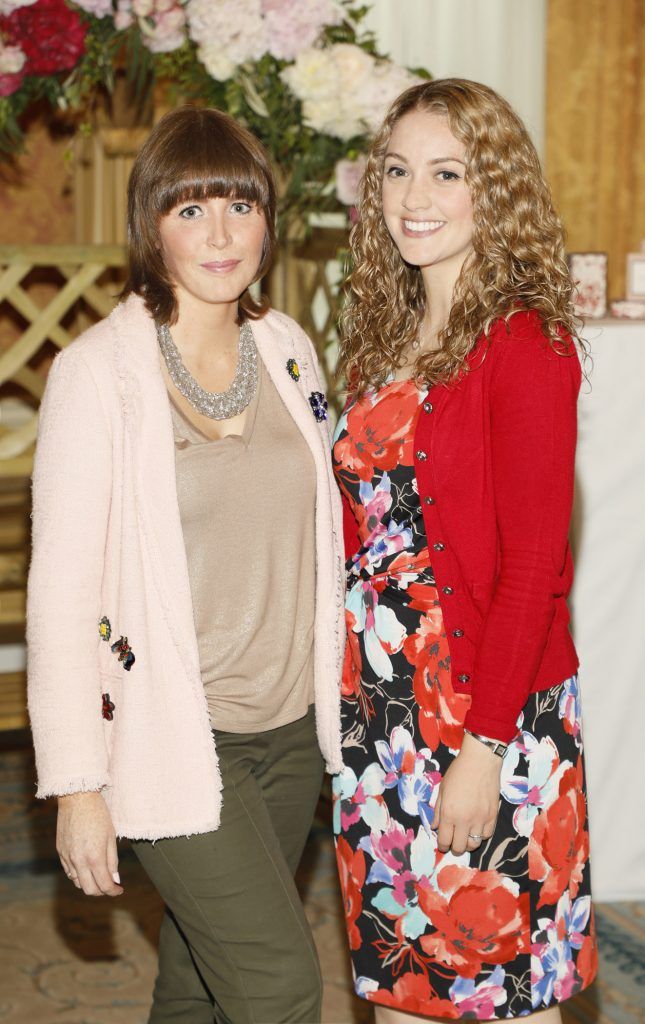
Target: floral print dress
505,930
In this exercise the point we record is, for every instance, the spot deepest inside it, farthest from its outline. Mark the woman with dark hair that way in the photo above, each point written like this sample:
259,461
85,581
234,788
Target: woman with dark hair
185,607
460,815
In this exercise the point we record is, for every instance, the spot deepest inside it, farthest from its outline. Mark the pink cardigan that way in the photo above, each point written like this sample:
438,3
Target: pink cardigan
107,541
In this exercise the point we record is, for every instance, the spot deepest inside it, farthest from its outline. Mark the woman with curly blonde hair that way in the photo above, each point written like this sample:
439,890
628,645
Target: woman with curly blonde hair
461,825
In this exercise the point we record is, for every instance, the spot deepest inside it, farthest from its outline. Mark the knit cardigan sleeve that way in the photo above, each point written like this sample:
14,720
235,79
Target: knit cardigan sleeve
533,400
71,500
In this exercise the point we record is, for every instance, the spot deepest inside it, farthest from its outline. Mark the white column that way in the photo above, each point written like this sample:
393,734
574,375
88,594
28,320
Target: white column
501,43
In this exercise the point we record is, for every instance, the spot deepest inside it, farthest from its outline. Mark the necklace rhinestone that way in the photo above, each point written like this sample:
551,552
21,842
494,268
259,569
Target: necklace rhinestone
218,405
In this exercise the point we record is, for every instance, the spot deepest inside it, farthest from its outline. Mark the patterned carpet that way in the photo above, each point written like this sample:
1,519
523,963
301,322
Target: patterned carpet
69,959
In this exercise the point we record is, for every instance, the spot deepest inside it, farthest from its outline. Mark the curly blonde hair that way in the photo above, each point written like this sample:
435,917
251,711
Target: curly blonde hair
517,259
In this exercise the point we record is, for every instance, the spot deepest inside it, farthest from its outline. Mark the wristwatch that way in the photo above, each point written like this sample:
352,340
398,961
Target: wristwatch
496,746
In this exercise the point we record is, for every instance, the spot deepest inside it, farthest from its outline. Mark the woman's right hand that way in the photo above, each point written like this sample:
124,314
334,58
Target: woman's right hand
86,844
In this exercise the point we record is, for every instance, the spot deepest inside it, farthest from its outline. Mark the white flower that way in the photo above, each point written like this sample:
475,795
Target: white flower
292,25
228,33
7,6
344,91
218,65
12,60
99,8
386,82
123,17
167,31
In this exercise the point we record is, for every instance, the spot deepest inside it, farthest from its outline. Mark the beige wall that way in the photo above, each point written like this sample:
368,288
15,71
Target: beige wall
36,199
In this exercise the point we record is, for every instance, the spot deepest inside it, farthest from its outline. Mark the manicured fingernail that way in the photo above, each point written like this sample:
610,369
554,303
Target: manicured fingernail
115,876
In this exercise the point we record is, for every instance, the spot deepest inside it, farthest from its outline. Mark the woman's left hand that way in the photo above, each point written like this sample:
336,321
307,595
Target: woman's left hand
468,799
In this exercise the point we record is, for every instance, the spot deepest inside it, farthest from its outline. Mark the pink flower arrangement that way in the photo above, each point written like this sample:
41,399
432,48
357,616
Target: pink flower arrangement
162,24
348,175
292,26
227,33
310,99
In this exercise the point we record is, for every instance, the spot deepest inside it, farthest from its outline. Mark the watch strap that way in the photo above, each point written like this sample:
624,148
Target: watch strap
496,746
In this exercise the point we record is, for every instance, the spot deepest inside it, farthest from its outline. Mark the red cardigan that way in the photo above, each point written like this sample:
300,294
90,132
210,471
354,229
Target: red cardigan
494,460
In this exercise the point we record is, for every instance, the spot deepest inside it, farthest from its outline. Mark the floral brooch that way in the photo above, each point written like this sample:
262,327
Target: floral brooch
107,710
293,370
123,649
319,404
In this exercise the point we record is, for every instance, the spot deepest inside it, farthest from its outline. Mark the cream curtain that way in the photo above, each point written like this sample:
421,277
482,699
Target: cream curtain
498,42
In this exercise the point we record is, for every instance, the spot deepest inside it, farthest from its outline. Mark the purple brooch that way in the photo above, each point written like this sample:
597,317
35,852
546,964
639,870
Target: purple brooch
318,403
293,370
105,629
123,649
107,710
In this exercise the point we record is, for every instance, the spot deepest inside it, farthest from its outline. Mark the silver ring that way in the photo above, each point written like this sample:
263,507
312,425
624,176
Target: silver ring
471,836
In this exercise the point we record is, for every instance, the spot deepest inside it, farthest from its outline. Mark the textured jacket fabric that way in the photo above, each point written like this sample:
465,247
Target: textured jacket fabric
494,462
107,542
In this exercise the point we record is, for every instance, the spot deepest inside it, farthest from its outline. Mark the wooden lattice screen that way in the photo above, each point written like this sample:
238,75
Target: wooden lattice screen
48,295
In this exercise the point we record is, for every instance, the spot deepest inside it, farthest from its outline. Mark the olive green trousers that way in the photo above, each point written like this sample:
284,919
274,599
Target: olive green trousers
235,946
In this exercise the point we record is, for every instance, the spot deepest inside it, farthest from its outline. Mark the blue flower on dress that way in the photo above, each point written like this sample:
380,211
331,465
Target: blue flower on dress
414,772
535,788
479,1001
552,944
123,649
360,798
401,860
569,709
319,404
384,634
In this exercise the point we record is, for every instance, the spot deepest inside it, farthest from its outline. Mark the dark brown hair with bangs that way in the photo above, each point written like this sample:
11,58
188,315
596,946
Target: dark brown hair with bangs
193,154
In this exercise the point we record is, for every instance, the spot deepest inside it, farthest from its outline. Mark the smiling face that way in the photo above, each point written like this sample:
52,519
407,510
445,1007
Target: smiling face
212,249
426,203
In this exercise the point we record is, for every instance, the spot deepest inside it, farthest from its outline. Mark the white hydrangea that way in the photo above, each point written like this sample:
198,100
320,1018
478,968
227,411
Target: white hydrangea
386,82
344,91
228,33
216,62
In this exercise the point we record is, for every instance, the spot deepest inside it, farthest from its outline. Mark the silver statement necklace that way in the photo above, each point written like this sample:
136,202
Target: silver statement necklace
218,405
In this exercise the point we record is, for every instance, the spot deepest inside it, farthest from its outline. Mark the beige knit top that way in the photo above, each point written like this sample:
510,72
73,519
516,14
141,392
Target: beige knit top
247,507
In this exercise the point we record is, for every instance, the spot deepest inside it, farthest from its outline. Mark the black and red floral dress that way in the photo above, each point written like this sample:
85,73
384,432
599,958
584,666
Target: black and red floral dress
505,930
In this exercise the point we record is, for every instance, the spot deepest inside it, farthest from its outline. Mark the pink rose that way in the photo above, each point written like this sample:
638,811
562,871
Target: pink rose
348,176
